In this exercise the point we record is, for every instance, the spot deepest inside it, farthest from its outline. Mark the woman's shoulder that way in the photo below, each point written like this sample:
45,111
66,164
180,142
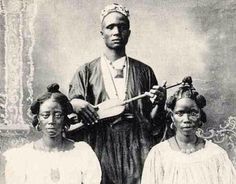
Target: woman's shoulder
83,152
211,148
161,147
214,149
17,152
82,146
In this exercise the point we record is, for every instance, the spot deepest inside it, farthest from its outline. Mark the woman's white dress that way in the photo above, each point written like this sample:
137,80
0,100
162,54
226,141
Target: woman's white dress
27,165
209,165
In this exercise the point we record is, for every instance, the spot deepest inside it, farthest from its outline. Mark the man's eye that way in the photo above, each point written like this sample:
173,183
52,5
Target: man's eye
123,27
110,27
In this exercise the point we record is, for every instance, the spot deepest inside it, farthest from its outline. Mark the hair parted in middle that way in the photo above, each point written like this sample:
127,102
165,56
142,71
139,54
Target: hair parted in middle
52,93
187,91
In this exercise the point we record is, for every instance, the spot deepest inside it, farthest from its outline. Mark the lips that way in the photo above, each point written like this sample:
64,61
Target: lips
51,129
188,128
116,40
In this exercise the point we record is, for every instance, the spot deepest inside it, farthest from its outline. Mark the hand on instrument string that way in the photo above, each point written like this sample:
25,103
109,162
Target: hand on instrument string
158,94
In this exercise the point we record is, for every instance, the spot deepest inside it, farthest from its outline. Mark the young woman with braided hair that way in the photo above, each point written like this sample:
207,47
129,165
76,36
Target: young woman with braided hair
52,158
186,158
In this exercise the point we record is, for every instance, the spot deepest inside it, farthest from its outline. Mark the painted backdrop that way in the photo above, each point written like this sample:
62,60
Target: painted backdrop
44,41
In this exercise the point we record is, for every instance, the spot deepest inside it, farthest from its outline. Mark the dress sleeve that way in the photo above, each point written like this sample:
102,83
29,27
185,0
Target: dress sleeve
2,167
152,171
78,84
92,173
226,170
14,168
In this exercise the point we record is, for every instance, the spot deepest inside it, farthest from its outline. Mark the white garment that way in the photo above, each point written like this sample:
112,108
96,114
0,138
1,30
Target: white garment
115,87
209,165
26,165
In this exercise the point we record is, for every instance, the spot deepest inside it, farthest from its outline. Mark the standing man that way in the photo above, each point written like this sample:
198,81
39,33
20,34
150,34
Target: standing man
122,143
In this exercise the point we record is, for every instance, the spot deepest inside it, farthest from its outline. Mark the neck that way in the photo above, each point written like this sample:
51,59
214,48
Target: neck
186,139
113,55
52,143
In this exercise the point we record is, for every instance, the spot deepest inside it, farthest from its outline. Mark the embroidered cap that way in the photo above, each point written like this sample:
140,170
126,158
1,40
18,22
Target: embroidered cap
114,8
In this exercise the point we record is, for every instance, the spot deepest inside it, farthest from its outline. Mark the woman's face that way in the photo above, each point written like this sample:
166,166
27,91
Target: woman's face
51,118
186,116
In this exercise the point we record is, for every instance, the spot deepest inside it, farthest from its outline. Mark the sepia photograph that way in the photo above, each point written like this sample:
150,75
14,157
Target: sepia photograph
117,92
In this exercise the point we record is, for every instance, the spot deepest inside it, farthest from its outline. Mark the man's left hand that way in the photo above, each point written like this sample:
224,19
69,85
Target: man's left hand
158,94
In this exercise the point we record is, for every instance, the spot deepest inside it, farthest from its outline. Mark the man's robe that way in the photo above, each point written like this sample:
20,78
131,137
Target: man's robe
121,147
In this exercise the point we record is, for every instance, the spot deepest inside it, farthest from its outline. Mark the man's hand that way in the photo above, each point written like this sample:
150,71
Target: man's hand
86,111
74,118
158,95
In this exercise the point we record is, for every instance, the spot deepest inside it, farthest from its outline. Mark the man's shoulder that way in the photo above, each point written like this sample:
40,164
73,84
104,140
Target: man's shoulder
93,63
138,63
89,65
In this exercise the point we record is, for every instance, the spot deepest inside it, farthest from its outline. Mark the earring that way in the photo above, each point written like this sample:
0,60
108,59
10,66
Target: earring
63,133
172,126
200,124
38,128
66,128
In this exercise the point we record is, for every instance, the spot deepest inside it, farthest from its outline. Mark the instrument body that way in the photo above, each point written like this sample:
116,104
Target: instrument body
115,107
109,109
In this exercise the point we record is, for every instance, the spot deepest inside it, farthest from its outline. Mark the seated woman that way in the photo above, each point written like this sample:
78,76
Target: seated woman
186,158
53,158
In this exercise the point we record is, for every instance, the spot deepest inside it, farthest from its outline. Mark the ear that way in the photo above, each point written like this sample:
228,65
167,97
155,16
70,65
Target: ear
38,128
101,32
200,124
38,119
171,116
129,32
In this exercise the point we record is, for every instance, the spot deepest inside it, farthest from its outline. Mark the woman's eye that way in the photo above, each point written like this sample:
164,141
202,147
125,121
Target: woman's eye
45,116
179,113
58,115
193,113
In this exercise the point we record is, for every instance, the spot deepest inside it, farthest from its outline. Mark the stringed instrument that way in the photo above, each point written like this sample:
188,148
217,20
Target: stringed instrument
113,108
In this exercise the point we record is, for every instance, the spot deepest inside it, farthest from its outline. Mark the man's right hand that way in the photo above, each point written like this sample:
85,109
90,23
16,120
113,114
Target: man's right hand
86,111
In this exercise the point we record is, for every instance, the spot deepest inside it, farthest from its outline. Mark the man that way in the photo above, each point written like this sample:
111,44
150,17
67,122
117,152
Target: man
121,143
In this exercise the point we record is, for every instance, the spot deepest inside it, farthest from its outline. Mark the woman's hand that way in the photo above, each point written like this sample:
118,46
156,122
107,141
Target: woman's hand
86,111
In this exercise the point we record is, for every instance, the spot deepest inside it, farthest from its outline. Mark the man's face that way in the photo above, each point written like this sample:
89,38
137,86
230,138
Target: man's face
115,30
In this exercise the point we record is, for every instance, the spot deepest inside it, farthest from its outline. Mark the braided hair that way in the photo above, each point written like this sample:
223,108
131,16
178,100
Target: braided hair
188,91
52,93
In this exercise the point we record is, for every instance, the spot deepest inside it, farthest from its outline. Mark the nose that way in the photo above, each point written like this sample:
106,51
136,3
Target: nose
50,119
186,118
116,30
